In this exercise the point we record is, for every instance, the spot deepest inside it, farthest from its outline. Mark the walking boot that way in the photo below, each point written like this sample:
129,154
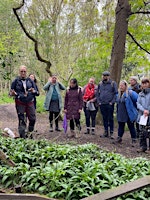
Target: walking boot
104,135
111,135
87,130
93,131
51,128
57,129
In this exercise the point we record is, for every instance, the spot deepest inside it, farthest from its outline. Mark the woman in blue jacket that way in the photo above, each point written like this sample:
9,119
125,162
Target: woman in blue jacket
126,111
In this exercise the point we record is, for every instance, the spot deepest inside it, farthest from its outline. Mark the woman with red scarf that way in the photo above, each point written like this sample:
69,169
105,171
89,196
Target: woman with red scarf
90,105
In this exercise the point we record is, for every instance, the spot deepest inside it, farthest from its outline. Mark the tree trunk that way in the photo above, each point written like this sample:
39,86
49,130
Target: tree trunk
123,11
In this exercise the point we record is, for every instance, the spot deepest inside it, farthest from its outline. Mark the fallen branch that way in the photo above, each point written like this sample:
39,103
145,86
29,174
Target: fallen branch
4,158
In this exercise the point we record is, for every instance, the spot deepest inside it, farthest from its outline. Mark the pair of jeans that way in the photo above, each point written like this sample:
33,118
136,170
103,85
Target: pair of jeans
131,127
107,111
25,110
90,117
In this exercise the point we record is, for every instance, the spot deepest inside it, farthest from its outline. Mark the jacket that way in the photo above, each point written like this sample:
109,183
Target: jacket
143,102
20,90
106,92
73,103
130,102
49,87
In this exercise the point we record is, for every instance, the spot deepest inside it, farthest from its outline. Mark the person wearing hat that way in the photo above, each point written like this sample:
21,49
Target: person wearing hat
53,100
106,98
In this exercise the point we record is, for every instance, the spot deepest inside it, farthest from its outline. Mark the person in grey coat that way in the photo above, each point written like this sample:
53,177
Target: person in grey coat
143,105
53,100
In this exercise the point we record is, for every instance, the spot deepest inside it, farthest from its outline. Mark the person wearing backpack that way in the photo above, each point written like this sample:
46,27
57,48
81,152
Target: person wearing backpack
126,111
23,90
106,98
73,106
90,105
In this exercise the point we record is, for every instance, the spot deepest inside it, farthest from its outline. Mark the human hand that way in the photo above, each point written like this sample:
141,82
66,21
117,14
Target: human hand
13,93
146,113
65,110
80,110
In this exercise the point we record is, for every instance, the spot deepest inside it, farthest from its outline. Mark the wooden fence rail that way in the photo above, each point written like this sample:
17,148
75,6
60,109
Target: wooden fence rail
120,190
106,195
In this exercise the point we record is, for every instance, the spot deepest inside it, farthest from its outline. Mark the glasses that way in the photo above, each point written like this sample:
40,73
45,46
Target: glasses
23,71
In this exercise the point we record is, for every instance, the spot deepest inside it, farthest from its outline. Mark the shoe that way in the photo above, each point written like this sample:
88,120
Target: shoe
93,132
51,129
57,129
133,142
111,135
141,150
118,140
87,132
104,135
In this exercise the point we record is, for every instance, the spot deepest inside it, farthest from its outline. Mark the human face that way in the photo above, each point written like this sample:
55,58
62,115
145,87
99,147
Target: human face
122,87
72,84
106,77
23,72
32,77
145,85
132,82
54,79
91,81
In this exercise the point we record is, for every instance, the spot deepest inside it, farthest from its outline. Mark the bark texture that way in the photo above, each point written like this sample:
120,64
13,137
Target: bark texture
123,11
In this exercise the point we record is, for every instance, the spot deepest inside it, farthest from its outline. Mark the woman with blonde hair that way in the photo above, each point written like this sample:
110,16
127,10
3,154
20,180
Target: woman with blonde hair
126,110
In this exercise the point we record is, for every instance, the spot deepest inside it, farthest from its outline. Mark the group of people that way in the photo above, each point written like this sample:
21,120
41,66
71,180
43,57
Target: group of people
132,103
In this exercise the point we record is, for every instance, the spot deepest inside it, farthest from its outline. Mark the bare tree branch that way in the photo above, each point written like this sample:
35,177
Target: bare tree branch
137,42
141,12
48,63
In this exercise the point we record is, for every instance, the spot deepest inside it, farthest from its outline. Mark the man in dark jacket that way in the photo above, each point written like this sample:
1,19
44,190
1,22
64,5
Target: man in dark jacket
106,98
23,89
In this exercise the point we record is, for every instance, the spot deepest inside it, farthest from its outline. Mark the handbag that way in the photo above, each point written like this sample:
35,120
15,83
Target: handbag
90,106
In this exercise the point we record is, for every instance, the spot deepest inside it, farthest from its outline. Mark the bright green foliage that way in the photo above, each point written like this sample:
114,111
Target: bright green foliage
68,172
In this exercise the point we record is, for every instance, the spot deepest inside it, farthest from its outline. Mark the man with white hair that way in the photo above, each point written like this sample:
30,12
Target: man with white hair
23,90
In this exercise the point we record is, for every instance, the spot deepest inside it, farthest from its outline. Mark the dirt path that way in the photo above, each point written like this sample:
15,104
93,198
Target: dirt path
8,118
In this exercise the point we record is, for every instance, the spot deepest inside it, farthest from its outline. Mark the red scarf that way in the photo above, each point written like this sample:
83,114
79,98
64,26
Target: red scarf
89,92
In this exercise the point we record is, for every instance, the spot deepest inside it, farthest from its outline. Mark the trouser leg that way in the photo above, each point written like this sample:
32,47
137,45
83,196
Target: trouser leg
121,126
21,117
31,116
132,129
104,111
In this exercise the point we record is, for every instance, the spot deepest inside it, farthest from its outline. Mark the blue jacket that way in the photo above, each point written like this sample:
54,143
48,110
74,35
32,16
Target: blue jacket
49,87
130,102
17,85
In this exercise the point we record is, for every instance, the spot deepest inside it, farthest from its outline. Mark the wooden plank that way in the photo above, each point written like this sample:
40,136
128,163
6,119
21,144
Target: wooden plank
23,197
120,190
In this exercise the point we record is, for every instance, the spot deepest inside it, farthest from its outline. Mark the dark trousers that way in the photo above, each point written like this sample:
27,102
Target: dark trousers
53,116
131,127
25,110
90,117
144,135
74,122
107,112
